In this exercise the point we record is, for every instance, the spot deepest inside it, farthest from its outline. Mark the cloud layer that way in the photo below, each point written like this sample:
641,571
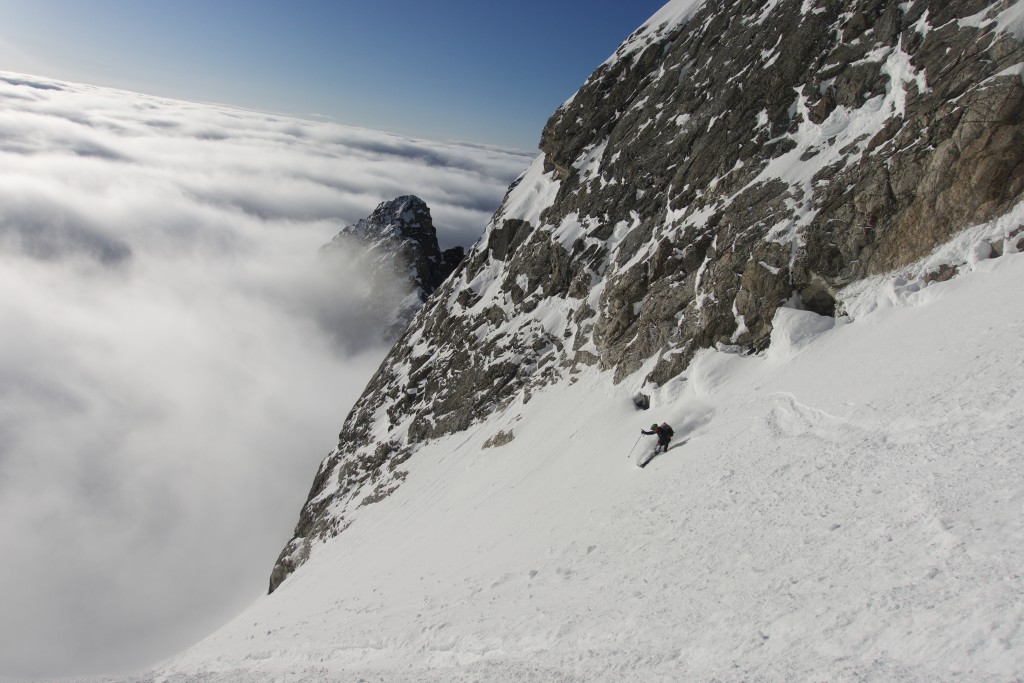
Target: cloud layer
175,357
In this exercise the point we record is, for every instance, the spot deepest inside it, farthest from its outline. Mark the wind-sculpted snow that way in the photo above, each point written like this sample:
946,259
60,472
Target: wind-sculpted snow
732,158
175,354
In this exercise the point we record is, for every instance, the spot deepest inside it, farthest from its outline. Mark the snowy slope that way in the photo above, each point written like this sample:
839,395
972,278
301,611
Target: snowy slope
731,158
844,506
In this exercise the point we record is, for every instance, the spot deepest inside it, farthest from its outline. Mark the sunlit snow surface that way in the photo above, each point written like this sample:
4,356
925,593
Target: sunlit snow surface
845,506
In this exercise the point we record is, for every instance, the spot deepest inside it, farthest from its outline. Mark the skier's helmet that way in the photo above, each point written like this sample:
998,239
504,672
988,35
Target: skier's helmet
654,426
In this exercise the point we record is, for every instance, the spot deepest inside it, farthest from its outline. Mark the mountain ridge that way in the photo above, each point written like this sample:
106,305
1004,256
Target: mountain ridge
678,202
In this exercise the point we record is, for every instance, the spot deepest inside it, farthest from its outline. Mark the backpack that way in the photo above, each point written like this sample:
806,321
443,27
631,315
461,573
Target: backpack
667,430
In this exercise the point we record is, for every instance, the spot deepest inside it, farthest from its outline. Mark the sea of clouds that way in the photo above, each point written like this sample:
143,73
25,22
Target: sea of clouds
175,356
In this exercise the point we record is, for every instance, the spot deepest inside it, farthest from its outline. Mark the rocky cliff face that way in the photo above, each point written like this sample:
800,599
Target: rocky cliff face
400,242
730,158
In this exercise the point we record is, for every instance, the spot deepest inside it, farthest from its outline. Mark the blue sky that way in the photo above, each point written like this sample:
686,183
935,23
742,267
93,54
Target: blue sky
472,70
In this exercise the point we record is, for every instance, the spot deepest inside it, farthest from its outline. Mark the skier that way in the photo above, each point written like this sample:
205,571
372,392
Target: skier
664,433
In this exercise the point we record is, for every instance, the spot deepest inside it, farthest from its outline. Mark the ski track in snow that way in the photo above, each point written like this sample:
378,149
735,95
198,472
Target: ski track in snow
846,507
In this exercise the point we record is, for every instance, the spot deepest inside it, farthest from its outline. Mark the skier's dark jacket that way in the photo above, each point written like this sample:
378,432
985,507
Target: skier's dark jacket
664,433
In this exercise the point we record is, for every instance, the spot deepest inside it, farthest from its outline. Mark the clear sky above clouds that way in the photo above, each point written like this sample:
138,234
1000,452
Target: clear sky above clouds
453,69
175,356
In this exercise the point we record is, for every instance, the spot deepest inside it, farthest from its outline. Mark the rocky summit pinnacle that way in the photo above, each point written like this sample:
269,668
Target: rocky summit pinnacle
729,159
400,240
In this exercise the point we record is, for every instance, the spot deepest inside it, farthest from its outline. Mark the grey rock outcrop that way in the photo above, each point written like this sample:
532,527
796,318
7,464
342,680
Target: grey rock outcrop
742,156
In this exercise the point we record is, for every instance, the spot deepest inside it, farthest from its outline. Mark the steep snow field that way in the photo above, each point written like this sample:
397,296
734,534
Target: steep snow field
846,506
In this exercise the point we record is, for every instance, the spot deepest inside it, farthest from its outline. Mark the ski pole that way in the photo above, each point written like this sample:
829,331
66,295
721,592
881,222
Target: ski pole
634,446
